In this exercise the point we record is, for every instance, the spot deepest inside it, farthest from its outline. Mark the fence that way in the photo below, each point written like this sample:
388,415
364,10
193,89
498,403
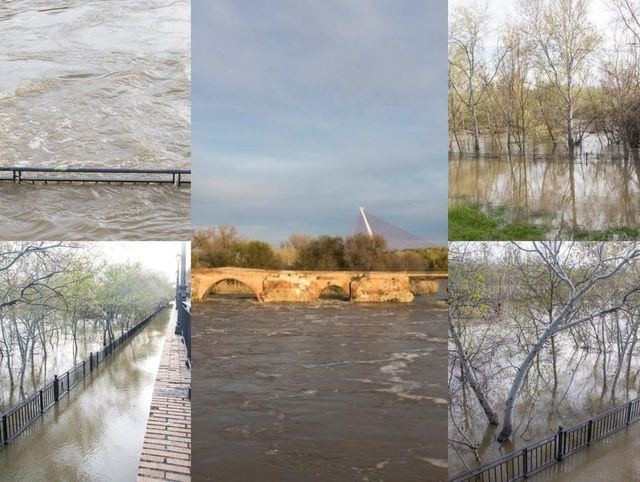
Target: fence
46,175
581,158
20,416
184,324
543,453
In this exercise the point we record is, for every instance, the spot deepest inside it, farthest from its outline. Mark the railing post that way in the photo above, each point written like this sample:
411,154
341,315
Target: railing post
560,444
589,432
90,361
5,430
629,413
41,402
84,369
68,383
525,462
56,388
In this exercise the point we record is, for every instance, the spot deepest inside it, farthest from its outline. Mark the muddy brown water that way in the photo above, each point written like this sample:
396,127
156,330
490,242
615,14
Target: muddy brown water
596,189
97,431
107,86
322,391
561,195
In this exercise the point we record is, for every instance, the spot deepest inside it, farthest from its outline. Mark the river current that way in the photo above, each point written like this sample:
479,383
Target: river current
95,84
320,391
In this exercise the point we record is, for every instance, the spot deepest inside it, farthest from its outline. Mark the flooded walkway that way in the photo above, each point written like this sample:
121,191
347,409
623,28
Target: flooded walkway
166,454
614,458
97,431
320,391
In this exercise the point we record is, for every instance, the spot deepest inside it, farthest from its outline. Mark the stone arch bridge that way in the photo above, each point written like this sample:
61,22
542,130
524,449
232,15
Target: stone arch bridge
281,285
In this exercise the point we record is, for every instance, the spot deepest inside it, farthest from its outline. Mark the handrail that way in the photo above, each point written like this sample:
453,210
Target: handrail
17,418
183,326
16,175
545,452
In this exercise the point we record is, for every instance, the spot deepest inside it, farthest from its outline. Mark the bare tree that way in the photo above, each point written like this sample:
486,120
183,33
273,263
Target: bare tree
468,29
565,41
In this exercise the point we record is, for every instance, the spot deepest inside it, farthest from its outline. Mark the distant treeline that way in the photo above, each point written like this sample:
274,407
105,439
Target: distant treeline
221,246
551,74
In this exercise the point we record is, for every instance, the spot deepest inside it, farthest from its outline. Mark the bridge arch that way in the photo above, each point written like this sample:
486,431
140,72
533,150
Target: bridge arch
207,284
334,291
241,287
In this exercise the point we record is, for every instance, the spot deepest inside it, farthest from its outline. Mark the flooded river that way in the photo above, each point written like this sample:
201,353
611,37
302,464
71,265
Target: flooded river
95,84
324,391
95,433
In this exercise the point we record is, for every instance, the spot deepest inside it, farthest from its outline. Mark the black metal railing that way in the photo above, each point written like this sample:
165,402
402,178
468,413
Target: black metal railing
33,175
184,324
543,453
19,417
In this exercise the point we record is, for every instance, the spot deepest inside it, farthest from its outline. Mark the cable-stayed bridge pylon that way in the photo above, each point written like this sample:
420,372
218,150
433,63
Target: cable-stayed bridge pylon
397,238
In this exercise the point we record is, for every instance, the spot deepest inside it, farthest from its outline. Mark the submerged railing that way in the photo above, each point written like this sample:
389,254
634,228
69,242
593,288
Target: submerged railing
20,416
559,157
543,453
33,175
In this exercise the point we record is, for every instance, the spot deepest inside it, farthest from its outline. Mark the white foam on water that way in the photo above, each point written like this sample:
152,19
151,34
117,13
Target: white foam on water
442,463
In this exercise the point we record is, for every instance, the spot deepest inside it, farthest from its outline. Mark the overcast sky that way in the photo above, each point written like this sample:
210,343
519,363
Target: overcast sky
160,256
305,110
600,13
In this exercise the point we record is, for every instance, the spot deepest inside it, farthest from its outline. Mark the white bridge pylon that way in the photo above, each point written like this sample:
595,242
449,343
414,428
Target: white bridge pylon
366,222
397,238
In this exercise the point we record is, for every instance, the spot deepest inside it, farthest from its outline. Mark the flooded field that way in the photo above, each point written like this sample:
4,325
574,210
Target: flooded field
97,431
107,86
323,391
59,358
595,190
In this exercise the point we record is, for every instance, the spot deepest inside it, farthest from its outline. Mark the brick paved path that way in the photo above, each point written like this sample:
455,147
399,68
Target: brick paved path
166,454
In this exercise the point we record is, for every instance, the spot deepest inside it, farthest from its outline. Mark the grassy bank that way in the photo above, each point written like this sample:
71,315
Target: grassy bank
471,222
619,233
476,222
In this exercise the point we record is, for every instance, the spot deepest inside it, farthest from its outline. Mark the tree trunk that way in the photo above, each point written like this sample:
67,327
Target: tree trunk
470,378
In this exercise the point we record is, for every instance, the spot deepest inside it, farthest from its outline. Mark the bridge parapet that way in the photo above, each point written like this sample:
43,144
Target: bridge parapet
306,286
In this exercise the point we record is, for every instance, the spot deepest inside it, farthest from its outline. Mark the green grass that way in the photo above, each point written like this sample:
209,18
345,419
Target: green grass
619,233
468,222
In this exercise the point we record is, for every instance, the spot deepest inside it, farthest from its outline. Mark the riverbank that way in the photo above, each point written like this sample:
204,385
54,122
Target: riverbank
485,222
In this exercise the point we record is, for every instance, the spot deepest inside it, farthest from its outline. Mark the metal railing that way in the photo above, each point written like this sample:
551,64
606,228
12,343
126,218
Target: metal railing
33,175
184,325
20,416
543,453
